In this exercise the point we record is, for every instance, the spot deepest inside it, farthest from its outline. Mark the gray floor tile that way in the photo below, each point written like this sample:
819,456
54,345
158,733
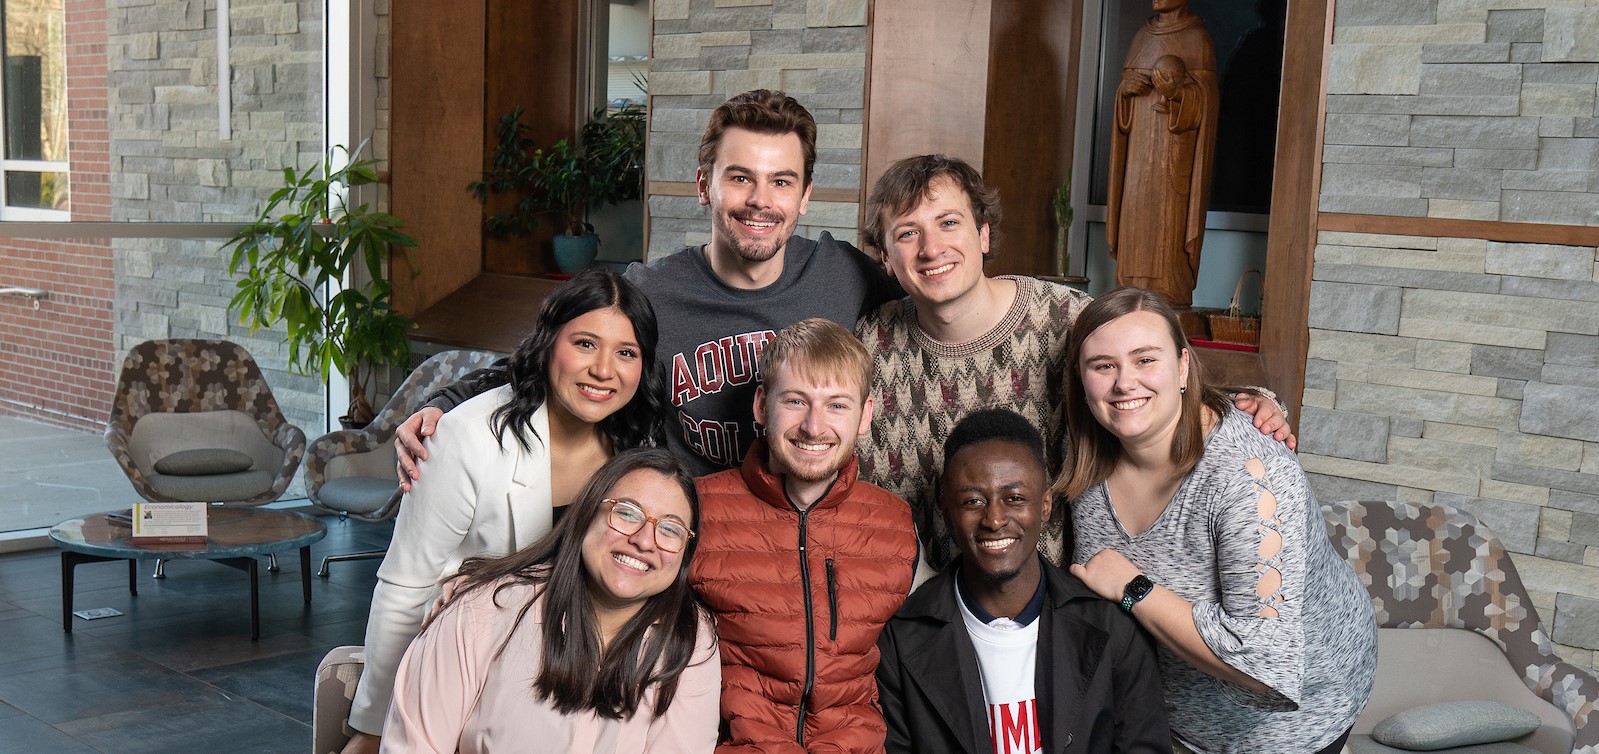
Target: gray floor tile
177,672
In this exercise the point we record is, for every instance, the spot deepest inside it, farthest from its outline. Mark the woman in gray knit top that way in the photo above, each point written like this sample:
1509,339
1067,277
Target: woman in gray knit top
1206,531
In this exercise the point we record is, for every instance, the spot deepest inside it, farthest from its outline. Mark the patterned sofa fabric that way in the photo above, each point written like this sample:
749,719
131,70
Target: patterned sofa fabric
1436,566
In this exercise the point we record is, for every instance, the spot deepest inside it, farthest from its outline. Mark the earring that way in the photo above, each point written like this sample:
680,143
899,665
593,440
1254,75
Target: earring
1183,389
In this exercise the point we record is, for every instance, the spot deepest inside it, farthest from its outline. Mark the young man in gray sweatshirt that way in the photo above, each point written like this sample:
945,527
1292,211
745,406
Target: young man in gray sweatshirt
719,304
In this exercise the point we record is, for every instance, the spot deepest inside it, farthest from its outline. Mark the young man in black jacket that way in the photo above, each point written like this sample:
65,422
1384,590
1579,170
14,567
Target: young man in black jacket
1003,652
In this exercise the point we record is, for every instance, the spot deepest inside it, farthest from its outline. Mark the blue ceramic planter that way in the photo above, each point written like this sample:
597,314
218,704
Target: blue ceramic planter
573,253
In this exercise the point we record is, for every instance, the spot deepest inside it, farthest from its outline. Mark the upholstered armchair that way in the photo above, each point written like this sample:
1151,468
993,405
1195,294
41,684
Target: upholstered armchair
194,421
351,472
1456,623
331,698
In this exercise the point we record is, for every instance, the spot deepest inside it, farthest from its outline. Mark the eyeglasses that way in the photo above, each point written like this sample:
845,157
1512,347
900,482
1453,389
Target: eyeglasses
626,518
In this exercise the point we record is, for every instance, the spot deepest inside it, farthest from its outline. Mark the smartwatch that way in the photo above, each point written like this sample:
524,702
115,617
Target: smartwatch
1136,590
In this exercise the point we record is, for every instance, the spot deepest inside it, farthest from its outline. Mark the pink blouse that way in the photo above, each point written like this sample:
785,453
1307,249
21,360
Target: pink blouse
453,695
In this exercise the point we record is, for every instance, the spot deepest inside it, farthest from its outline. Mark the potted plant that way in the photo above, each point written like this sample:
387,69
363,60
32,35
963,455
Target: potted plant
303,245
1061,208
564,180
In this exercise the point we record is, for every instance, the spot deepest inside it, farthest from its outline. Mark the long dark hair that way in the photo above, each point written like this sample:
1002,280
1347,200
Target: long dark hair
1091,450
641,421
638,657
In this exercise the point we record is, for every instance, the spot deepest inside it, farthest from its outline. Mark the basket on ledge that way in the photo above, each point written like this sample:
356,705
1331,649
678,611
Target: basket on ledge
1233,326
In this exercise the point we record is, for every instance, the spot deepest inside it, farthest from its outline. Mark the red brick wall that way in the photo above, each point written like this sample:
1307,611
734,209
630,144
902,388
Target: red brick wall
57,363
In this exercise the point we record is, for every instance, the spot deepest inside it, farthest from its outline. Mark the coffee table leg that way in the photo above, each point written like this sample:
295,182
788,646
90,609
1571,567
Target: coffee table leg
305,572
133,577
67,564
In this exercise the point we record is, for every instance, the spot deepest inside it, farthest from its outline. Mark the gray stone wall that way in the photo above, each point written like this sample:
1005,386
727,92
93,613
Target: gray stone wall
1458,370
707,50
1466,109
1462,371
168,163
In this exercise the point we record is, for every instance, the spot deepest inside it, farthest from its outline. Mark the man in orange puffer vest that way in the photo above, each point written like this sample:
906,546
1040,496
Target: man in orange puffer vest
803,563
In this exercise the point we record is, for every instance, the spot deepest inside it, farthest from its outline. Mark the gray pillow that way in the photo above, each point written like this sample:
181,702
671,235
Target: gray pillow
1441,726
1359,744
204,462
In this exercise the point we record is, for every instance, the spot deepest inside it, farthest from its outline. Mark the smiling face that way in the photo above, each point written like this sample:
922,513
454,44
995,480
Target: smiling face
595,366
936,250
756,191
625,570
1133,373
812,422
995,502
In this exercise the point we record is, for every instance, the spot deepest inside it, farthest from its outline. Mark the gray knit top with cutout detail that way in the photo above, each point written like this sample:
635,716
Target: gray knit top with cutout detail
1318,654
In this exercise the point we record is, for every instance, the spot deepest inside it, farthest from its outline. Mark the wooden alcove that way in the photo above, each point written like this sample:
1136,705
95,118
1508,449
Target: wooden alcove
952,76
455,69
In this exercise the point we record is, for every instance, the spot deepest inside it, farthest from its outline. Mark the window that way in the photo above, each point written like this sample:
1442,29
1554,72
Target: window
33,102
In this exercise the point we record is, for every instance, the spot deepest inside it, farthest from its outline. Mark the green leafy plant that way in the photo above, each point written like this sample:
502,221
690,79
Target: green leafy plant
563,180
304,243
1062,207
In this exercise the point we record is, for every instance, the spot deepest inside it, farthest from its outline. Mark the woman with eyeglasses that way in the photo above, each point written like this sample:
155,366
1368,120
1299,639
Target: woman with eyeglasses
583,386
588,641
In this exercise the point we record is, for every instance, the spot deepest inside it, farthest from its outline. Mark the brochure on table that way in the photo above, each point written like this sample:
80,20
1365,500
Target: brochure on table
169,523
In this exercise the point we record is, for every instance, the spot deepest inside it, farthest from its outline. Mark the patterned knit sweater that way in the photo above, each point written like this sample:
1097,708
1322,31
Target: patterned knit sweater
925,387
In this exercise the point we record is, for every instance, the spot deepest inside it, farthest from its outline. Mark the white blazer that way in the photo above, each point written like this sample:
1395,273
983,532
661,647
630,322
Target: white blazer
474,498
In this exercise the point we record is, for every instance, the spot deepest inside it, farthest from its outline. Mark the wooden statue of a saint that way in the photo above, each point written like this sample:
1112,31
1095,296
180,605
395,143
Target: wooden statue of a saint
1161,150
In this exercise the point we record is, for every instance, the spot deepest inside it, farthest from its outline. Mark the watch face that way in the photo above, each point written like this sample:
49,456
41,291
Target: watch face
1139,587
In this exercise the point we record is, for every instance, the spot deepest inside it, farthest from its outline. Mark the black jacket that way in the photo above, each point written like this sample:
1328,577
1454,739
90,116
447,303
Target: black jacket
1098,681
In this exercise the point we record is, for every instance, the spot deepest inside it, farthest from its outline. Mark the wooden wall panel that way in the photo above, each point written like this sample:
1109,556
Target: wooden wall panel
532,62
1027,149
1296,188
436,145
1508,232
927,82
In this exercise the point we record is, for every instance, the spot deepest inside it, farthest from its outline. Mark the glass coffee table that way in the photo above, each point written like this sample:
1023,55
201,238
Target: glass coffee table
236,537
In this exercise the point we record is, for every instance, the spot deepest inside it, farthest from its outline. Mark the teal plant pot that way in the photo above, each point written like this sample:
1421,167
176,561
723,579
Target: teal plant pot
573,253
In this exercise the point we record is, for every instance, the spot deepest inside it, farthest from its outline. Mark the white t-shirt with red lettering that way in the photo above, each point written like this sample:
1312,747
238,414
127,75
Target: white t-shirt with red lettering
1007,655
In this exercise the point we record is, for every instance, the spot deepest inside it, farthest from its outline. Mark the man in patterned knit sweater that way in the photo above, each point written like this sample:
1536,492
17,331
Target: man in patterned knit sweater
961,340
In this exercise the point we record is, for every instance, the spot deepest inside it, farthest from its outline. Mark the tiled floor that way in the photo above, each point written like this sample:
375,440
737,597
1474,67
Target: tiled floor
177,672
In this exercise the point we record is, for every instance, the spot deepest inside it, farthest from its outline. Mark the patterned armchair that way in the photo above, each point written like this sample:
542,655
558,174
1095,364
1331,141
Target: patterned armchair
1437,568
331,697
202,405
351,472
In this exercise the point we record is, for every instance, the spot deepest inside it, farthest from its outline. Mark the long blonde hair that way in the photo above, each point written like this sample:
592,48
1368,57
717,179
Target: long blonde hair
1091,450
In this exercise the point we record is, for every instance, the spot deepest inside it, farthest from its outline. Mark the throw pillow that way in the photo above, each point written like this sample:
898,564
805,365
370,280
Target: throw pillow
1441,726
204,462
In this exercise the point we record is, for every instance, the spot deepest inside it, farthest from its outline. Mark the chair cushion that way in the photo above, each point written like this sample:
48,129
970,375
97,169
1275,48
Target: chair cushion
215,488
204,462
357,494
1450,724
1359,744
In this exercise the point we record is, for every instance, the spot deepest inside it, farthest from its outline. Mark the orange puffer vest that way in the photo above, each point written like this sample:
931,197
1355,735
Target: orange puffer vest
800,597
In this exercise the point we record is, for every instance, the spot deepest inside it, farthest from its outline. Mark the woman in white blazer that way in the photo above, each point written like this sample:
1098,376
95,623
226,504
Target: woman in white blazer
583,386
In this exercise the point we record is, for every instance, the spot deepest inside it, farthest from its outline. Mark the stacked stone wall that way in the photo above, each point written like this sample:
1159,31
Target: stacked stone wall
1462,370
707,50
168,162
1464,109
